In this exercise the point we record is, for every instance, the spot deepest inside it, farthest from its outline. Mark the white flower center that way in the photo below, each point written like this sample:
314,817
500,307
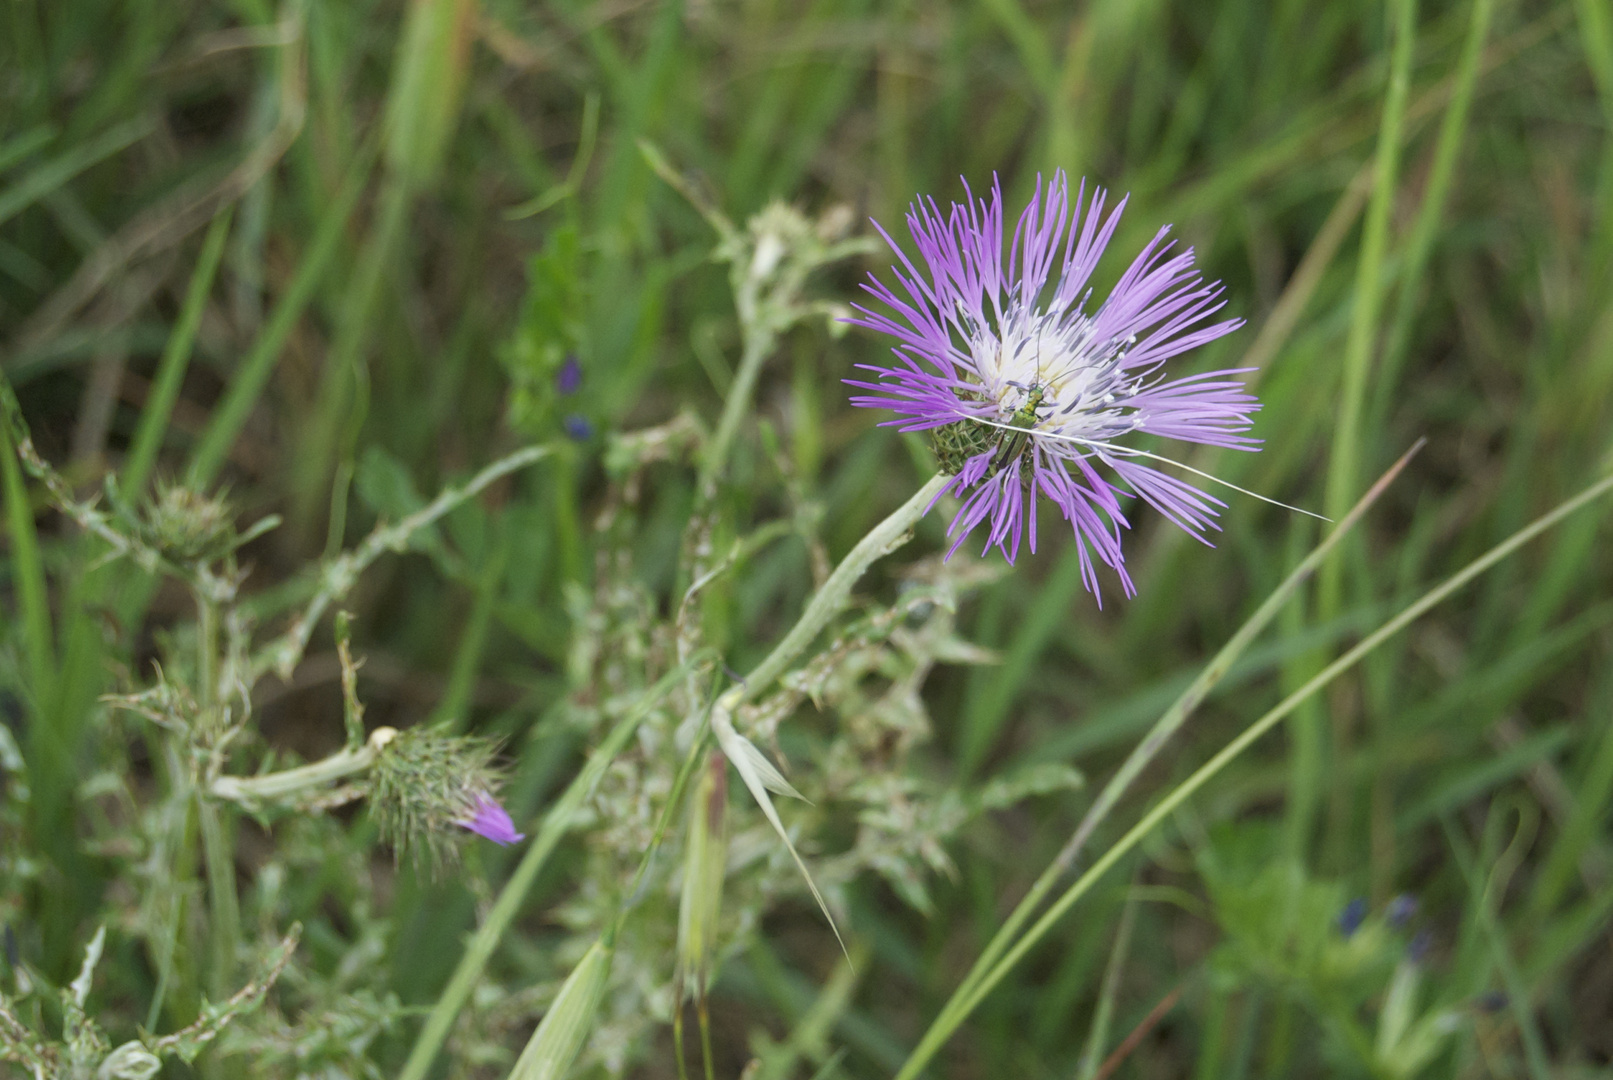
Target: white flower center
1074,383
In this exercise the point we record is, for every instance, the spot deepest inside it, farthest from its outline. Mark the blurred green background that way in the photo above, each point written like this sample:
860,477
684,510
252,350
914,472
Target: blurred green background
418,210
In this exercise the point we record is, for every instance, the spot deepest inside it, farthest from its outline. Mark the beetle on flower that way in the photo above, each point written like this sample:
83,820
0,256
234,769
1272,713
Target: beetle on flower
1024,391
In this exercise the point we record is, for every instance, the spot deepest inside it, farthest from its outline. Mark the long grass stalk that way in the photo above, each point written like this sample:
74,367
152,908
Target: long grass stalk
1168,724
1436,193
175,359
230,416
968,997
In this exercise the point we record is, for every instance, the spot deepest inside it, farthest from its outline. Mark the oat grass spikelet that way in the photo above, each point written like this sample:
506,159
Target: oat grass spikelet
1025,390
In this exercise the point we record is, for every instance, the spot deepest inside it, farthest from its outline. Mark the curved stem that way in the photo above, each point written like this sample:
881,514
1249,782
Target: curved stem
249,791
758,343
827,602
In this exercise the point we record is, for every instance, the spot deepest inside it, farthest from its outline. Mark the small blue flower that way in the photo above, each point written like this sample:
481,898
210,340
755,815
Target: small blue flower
568,380
1401,910
578,427
1352,915
1417,950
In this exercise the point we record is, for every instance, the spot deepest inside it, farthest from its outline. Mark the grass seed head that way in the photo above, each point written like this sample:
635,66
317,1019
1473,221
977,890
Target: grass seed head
553,1048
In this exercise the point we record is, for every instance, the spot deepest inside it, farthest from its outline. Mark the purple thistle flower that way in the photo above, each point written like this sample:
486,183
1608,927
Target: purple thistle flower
1024,390
492,821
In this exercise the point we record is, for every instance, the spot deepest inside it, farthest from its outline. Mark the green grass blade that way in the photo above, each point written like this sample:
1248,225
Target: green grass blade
46,178
253,374
1166,726
965,1000
27,567
175,359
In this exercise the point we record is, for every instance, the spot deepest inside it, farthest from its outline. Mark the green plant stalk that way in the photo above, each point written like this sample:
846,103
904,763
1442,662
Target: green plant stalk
1168,724
175,359
179,865
968,997
1436,193
1344,460
343,401
881,540
1518,996
27,566
1098,1035
250,791
207,661
555,824
253,374
759,341
224,909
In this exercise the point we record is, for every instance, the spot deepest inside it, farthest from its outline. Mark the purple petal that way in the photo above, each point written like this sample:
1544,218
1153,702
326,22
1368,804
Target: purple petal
491,820
967,316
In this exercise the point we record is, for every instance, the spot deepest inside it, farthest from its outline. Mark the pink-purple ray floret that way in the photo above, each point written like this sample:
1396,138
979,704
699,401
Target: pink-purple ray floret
489,819
1008,343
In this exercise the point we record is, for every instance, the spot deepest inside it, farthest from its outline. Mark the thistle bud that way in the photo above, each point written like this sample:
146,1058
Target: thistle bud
426,785
187,525
559,1039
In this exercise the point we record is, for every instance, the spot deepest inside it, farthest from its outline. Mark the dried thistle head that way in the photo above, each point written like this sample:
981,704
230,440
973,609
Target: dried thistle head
427,784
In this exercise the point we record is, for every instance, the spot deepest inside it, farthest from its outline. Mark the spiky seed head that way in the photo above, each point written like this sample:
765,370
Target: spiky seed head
427,786
187,525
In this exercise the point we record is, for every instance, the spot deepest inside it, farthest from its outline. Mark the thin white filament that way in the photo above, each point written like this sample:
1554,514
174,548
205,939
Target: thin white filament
1127,451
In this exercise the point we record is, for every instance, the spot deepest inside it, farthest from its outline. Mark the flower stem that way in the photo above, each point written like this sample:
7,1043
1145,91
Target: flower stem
224,909
881,540
759,342
249,791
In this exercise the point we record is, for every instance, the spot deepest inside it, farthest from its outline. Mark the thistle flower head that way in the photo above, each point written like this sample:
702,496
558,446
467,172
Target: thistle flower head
1026,388
427,784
